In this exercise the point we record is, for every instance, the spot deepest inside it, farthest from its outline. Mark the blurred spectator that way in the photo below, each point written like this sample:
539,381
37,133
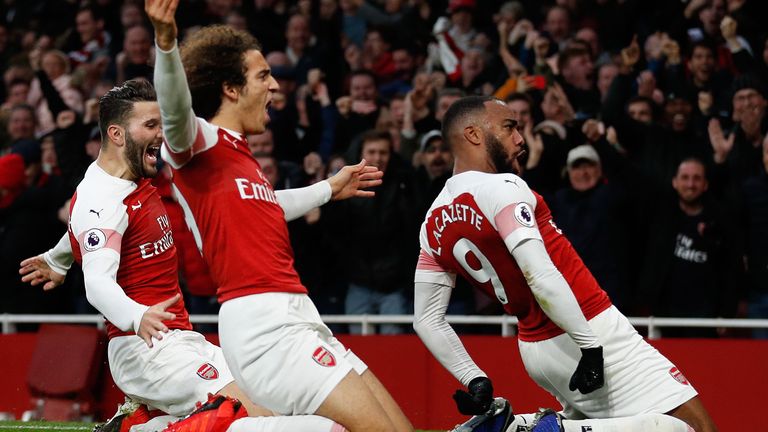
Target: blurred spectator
593,212
357,112
48,102
755,198
435,169
90,40
21,123
380,272
299,47
134,60
692,264
739,155
557,24
578,74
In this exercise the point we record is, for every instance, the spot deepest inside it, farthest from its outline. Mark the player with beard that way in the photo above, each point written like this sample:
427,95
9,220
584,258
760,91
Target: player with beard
213,92
119,232
490,228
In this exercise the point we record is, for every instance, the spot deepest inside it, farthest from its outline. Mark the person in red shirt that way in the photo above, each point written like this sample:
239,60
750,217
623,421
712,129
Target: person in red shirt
120,234
280,352
491,229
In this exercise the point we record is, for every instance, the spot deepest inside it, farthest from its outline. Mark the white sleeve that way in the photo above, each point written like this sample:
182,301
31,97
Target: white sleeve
552,292
512,205
100,243
175,100
103,292
60,258
430,303
297,202
432,293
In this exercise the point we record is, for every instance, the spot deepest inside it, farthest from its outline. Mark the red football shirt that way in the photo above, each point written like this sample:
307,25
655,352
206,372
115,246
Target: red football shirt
470,229
130,219
234,215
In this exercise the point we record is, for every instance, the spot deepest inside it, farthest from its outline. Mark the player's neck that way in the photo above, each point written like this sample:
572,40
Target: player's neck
114,165
227,120
460,166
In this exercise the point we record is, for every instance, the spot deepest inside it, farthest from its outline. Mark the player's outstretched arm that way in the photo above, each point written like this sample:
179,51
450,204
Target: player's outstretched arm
173,96
50,268
556,299
352,180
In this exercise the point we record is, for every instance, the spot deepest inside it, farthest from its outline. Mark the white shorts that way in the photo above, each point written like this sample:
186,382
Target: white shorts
638,379
173,375
280,352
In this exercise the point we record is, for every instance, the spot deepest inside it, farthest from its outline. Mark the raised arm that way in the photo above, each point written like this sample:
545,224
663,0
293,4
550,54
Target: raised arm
173,96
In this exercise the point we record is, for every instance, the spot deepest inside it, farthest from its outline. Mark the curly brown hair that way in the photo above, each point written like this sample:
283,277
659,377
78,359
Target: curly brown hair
213,56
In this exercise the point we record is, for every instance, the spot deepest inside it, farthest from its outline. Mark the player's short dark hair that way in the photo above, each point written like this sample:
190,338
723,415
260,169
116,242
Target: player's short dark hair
117,104
461,109
213,56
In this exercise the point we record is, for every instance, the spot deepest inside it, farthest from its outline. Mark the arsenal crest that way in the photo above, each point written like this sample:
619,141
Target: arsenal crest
207,372
677,375
323,357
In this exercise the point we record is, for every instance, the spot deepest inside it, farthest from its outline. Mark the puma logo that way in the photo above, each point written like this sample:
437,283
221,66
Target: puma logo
136,206
96,212
514,182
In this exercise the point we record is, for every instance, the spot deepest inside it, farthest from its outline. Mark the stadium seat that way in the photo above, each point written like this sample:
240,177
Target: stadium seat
63,372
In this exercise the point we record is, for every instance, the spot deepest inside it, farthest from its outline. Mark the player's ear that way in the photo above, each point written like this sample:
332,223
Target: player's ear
473,134
230,91
116,134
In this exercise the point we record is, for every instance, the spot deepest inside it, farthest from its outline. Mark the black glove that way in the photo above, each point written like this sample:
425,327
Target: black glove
479,398
589,373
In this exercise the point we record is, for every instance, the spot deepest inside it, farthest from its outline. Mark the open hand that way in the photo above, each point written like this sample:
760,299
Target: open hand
36,271
352,179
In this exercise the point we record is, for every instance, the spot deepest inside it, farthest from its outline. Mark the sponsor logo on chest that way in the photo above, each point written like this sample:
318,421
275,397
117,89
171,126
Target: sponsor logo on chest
250,190
151,249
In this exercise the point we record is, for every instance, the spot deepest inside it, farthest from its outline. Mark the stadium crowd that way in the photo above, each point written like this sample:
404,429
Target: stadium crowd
645,123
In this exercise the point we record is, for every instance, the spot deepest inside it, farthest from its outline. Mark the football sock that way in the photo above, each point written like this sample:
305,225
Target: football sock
304,423
638,423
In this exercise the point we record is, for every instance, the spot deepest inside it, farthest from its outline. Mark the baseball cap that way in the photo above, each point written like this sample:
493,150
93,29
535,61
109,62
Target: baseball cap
428,137
585,151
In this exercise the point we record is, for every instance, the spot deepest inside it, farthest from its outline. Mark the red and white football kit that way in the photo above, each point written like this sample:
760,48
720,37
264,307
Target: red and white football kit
279,351
120,234
499,235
